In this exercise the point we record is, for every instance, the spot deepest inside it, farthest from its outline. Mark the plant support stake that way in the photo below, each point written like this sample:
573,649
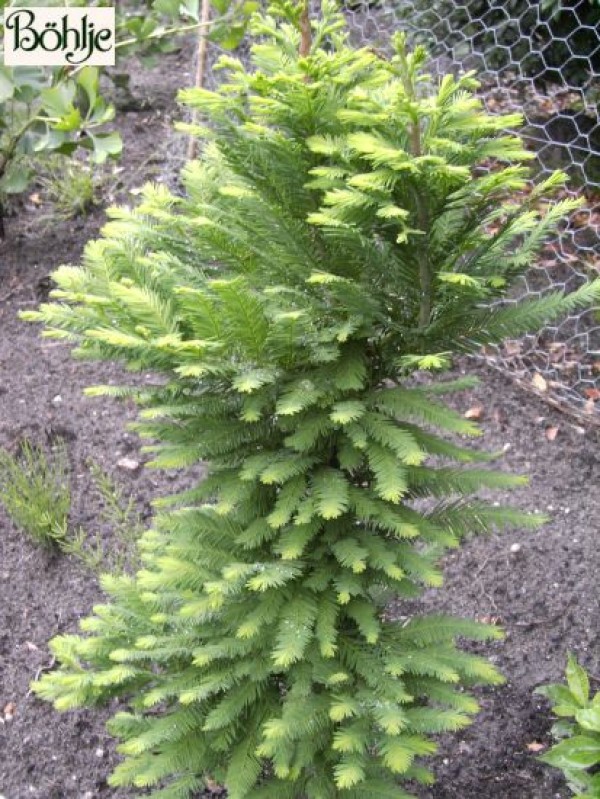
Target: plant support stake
200,68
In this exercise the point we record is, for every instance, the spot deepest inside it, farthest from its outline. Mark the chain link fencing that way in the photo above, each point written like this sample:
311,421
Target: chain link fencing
541,59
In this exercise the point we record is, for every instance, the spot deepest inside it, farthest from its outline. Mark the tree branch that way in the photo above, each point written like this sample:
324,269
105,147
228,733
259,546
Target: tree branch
424,269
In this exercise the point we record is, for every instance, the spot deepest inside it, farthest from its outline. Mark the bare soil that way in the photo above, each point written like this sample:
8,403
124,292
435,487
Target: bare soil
545,595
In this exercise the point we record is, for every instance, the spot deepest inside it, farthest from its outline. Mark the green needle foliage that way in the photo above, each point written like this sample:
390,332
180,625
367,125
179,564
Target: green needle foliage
338,233
35,492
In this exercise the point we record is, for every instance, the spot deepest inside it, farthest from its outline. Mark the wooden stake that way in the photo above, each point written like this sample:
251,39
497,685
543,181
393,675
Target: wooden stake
200,68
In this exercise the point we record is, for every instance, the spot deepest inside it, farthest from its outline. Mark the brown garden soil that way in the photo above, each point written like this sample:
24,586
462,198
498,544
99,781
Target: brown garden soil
545,596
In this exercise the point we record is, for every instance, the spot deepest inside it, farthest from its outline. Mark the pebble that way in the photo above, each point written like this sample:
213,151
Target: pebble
128,464
99,752
515,548
57,400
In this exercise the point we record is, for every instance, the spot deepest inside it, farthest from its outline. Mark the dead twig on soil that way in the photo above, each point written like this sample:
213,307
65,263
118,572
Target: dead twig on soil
537,622
482,567
14,288
40,671
8,295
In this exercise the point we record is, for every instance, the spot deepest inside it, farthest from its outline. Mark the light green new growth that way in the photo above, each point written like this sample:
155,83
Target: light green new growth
339,232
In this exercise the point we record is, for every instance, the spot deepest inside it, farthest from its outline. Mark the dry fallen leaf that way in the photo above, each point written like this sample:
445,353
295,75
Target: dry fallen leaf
589,406
536,746
551,433
476,412
539,382
9,711
512,348
495,620
35,199
592,393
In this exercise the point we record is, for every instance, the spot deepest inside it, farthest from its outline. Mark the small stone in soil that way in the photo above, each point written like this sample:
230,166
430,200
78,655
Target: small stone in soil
128,465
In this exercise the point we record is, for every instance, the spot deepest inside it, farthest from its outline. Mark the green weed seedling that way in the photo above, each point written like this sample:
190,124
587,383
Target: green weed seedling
35,492
70,187
577,754
115,553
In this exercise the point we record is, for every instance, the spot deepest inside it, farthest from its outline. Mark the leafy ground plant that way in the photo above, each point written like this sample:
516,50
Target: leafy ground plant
339,234
58,110
577,755
49,110
35,492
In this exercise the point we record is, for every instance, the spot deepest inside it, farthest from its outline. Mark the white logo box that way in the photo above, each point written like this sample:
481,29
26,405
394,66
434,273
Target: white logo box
59,36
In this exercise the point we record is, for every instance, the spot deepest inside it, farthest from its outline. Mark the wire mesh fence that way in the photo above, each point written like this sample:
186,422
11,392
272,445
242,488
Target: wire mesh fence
541,59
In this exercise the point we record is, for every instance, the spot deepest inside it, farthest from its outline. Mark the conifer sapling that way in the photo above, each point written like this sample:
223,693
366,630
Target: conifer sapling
338,233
